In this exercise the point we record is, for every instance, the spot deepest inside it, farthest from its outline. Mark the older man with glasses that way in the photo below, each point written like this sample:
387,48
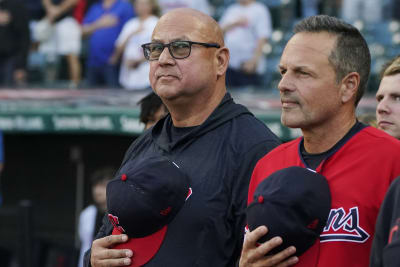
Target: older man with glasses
215,141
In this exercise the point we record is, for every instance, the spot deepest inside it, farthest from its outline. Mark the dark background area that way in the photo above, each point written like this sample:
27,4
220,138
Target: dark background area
39,168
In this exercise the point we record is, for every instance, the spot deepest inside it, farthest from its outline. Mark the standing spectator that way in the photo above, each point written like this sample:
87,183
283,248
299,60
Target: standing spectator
81,9
215,141
325,68
65,39
369,11
388,97
247,27
200,5
137,31
103,23
14,44
90,218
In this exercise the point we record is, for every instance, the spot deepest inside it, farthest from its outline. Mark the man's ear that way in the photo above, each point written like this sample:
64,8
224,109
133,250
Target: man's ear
349,87
222,60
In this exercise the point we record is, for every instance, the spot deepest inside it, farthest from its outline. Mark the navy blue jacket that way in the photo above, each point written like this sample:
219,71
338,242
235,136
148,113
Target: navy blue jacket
219,157
385,250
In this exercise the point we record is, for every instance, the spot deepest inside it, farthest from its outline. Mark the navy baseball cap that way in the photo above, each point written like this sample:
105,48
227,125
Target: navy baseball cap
294,203
142,201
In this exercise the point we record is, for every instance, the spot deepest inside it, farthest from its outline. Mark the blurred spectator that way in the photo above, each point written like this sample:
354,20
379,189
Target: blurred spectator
14,44
247,27
152,109
65,37
200,5
330,7
90,218
81,9
369,11
395,9
307,8
388,97
35,9
103,23
134,72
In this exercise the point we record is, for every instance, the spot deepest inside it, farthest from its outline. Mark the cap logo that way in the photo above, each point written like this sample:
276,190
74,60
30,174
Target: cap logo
166,211
115,222
123,177
313,225
189,193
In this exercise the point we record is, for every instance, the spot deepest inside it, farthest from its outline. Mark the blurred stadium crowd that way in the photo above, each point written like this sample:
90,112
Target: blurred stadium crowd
96,43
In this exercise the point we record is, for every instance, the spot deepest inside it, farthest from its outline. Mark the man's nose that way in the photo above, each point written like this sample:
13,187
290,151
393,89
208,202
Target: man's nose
166,57
286,83
383,106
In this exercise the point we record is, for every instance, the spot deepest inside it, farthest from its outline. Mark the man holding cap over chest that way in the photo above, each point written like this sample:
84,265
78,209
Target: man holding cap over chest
215,141
142,200
324,73
294,203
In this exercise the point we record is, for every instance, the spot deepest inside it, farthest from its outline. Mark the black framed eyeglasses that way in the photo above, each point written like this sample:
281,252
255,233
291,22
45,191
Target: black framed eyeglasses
177,49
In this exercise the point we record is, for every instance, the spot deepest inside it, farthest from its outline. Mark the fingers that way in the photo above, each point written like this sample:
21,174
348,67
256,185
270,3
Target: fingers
102,255
110,240
112,263
281,259
253,255
252,237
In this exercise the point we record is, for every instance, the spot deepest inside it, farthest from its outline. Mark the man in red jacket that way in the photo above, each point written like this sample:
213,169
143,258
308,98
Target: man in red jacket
325,68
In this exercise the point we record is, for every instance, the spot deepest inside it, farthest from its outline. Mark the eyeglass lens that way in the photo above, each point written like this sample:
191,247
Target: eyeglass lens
179,49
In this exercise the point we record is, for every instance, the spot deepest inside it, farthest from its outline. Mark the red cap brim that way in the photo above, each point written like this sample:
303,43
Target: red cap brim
143,248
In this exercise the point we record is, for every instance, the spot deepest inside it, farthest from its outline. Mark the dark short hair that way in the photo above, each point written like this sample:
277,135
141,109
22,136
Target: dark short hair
102,175
392,67
351,53
149,105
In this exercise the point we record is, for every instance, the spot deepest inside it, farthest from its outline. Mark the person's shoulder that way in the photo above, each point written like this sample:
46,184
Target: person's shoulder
380,138
143,138
396,184
250,127
138,144
284,150
287,147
